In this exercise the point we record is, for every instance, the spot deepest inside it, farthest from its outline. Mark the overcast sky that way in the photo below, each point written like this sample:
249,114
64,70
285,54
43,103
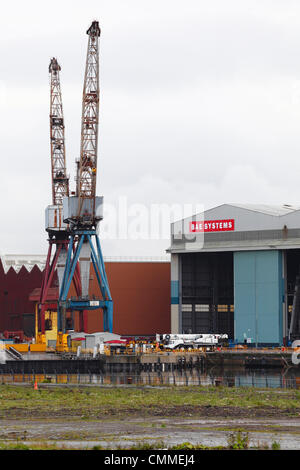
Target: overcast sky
200,104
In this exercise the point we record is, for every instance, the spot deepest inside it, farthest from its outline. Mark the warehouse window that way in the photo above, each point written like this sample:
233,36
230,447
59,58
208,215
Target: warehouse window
187,307
202,308
222,308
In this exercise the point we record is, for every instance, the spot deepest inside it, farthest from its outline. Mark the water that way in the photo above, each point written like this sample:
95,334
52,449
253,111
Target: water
286,378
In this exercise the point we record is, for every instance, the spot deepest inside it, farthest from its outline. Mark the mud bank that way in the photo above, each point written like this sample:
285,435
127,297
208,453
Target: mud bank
115,433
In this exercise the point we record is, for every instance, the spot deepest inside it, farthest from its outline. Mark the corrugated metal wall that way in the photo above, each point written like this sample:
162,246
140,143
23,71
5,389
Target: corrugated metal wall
140,290
141,295
258,296
16,311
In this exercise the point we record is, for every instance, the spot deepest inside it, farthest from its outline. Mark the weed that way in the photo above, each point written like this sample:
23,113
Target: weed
47,380
183,446
238,440
275,445
146,446
14,446
189,446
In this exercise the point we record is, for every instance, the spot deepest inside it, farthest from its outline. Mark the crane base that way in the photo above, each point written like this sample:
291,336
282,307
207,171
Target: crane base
77,240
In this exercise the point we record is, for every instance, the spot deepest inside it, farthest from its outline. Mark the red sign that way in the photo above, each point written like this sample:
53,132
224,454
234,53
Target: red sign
226,225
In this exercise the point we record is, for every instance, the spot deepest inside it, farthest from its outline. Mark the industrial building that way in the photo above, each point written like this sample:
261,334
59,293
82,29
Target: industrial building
140,286
235,269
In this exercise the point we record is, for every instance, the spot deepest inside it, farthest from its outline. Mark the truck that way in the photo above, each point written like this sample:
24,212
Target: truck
191,341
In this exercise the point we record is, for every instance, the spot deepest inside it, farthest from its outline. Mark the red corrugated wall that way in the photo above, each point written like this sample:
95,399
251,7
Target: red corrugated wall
16,310
140,291
141,296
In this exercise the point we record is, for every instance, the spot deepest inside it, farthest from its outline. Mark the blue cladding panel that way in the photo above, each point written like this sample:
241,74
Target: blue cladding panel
174,292
258,296
244,311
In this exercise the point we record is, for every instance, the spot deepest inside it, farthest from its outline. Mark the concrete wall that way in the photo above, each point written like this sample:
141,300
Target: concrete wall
258,296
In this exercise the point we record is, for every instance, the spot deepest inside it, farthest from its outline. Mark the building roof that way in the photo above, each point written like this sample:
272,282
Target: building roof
52,295
275,210
16,261
234,227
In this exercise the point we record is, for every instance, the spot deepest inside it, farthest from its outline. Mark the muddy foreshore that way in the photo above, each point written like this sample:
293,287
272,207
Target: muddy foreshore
206,411
121,418
126,431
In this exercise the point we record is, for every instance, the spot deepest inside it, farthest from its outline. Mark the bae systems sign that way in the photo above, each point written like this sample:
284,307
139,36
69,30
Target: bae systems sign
226,225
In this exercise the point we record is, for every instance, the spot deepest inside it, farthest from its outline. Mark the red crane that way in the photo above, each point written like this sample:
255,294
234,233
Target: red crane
57,230
60,181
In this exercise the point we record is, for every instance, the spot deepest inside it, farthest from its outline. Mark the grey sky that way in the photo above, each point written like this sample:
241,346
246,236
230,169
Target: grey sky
200,104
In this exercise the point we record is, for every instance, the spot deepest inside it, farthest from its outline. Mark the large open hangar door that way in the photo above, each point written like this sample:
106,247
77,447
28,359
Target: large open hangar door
293,292
207,304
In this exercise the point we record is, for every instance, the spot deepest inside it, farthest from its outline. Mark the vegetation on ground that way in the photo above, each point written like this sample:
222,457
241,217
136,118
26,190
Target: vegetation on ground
236,441
94,402
57,403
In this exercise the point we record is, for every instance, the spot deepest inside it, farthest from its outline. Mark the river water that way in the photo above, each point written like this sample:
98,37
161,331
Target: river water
260,378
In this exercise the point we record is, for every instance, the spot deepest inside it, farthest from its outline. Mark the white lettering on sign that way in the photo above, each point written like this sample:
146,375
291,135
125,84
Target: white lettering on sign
212,226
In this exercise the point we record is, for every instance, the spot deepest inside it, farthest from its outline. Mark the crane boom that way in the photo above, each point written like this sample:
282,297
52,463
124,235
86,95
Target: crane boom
84,211
86,183
60,181
58,231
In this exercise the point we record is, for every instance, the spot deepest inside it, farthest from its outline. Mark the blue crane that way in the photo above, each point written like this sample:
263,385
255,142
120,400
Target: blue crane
84,211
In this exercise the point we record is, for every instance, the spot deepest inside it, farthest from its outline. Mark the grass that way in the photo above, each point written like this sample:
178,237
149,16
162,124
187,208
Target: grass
22,446
237,441
91,402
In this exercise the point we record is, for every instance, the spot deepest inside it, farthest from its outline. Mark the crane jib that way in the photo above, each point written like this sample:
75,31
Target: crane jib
60,181
86,180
